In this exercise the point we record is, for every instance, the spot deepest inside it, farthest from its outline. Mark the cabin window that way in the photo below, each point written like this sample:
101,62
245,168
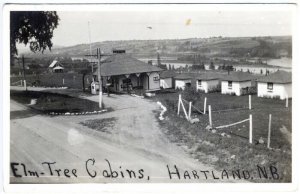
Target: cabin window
200,82
270,86
156,78
188,84
229,84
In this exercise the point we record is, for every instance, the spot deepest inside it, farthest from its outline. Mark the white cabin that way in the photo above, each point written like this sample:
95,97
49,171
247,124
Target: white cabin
276,85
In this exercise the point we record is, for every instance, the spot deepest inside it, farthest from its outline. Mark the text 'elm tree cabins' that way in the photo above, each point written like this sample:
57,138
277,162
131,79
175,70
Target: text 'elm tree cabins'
276,85
123,73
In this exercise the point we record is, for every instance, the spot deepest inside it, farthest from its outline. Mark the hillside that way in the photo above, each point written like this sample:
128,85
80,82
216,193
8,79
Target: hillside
268,47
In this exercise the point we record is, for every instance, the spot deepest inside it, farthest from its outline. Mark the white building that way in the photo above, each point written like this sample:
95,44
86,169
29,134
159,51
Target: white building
207,66
56,67
256,68
182,80
207,82
236,83
123,73
276,85
167,79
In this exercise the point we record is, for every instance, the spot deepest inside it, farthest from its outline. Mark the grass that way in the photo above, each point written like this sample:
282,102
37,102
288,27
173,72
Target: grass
215,149
103,125
50,102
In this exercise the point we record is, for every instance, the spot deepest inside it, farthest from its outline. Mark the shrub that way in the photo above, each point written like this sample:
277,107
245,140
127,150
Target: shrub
191,94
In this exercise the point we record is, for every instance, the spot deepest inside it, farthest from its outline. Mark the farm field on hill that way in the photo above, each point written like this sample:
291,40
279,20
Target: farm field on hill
229,147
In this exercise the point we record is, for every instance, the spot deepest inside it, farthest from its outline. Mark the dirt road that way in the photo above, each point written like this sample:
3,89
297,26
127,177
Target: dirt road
135,142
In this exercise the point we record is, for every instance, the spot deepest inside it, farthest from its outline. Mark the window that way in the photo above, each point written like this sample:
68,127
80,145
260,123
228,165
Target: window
156,78
229,84
200,83
270,86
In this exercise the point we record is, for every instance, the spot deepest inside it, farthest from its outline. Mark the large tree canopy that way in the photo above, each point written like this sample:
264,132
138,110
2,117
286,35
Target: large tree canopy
32,27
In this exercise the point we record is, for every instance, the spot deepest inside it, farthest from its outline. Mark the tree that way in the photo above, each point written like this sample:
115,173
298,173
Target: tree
32,27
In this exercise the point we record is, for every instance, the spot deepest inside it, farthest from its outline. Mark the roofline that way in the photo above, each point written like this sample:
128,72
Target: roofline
236,80
207,79
275,82
95,73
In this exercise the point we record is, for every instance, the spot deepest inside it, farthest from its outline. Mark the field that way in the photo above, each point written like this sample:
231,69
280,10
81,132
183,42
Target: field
70,80
51,102
229,148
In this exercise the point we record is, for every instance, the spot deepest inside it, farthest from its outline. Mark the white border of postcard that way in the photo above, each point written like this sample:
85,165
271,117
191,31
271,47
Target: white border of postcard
153,187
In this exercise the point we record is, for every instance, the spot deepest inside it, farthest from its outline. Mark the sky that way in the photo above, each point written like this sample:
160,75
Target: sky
169,24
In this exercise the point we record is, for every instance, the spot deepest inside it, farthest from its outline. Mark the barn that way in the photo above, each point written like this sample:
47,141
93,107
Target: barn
276,85
183,80
56,67
122,73
236,83
167,79
207,82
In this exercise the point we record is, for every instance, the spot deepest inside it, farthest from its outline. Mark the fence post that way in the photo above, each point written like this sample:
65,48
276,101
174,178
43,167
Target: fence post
287,102
204,106
179,99
250,128
190,110
250,107
63,81
209,114
269,131
25,86
183,108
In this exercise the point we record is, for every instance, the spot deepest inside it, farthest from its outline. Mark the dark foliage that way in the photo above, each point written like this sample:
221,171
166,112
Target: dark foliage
32,27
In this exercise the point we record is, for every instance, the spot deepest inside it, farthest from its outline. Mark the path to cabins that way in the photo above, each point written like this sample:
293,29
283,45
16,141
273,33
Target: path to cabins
134,142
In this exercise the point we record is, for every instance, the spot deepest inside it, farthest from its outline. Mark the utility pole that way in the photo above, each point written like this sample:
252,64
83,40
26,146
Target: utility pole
99,55
99,77
90,45
24,74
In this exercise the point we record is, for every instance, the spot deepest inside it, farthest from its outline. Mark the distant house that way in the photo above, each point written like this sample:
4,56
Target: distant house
123,73
275,85
167,79
182,81
207,66
236,83
207,82
56,67
217,66
256,68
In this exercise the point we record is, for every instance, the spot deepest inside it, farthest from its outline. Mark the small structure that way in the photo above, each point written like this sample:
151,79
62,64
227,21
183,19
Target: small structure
237,83
276,85
167,79
56,67
207,82
207,66
183,80
123,73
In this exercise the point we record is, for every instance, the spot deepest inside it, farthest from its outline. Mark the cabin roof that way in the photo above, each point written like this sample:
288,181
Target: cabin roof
122,64
277,77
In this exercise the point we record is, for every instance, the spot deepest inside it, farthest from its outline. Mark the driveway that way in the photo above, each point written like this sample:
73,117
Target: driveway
134,142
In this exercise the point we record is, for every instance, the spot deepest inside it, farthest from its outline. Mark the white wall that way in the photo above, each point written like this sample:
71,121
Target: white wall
180,84
166,82
154,84
236,87
207,85
255,70
281,90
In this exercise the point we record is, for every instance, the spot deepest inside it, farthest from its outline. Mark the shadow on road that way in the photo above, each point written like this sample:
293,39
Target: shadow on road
20,114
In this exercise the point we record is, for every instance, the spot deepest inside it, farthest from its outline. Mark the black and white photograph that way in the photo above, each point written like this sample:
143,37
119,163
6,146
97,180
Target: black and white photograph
157,93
